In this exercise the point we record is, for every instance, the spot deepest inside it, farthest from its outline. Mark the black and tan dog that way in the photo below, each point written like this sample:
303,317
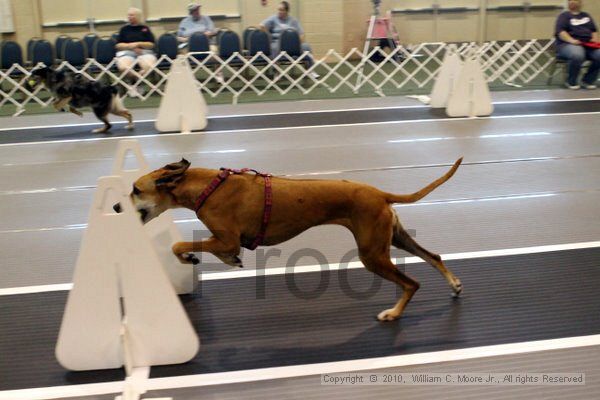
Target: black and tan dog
74,91
234,214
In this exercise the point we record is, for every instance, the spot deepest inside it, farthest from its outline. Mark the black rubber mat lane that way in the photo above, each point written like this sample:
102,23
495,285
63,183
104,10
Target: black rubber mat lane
292,120
329,316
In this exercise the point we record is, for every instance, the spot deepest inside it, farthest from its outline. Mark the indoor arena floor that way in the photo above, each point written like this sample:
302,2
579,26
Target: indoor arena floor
530,178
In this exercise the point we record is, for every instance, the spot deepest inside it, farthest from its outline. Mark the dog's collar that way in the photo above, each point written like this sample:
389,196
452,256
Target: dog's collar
225,173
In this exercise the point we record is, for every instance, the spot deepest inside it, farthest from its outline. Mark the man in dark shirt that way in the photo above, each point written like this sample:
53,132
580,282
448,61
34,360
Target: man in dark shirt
135,43
573,28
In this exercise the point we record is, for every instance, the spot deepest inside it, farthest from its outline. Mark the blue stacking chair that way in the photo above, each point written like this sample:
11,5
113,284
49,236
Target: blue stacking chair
290,42
59,44
229,43
89,40
246,37
198,42
30,44
75,52
42,52
166,45
104,50
259,41
10,53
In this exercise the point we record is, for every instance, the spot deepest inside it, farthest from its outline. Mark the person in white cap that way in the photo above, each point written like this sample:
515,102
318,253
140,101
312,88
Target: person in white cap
195,22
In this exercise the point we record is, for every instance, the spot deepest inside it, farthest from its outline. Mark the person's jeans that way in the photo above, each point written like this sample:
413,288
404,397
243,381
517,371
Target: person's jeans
576,55
304,47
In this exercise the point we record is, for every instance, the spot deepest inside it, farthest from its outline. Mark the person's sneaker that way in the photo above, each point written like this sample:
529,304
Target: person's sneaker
589,86
314,75
572,87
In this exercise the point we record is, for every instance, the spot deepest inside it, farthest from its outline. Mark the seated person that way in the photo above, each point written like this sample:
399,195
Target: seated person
574,27
135,43
195,22
276,24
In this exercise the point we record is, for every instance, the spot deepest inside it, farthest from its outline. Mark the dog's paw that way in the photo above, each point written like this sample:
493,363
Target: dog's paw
232,261
188,258
130,127
388,315
237,262
99,130
192,258
457,288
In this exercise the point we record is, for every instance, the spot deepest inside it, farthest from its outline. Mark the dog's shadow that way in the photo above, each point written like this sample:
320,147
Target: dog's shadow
378,339
324,336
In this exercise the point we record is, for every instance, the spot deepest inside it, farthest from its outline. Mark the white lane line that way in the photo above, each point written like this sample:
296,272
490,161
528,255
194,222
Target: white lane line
408,260
249,273
465,200
305,370
59,287
306,173
107,159
19,128
438,120
295,113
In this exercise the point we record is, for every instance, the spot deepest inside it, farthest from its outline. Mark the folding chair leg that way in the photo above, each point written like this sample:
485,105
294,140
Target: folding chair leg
552,71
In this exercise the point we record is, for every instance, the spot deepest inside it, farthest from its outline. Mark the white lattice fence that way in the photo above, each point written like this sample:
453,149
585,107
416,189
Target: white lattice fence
511,62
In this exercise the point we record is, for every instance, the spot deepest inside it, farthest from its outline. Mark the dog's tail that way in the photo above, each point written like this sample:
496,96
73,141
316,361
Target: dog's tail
116,101
411,198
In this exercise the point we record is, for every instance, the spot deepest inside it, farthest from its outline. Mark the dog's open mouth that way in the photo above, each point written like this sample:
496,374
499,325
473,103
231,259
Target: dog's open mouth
143,212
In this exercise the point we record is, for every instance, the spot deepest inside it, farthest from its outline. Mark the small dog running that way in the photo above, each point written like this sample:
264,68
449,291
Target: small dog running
75,91
245,210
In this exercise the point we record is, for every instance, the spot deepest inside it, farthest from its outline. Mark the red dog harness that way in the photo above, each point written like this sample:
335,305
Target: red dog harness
222,177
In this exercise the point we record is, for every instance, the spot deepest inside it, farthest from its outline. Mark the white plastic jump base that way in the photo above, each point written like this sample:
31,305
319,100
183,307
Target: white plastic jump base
143,326
162,229
182,107
446,79
471,95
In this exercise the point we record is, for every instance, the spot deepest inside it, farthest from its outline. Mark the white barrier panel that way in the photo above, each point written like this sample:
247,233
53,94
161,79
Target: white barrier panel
182,108
162,229
471,96
148,325
446,80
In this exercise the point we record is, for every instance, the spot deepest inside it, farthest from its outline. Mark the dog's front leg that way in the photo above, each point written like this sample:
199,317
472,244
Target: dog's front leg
60,104
225,251
75,111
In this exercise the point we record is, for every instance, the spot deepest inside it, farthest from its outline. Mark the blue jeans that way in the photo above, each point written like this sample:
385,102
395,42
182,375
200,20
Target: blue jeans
304,47
576,55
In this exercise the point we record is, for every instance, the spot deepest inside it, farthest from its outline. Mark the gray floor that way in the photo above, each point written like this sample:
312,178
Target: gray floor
528,181
581,360
552,161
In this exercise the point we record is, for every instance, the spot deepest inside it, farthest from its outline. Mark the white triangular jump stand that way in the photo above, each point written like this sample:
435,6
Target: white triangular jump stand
122,309
471,95
162,229
182,108
446,79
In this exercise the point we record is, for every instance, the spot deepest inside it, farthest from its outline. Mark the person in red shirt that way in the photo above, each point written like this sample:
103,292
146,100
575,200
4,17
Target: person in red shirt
574,28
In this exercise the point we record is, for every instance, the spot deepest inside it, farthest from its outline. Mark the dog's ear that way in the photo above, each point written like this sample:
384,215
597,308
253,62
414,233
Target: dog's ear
172,174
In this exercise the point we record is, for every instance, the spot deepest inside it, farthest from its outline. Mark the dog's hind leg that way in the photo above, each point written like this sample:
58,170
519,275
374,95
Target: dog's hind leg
402,240
373,236
125,114
383,266
117,108
102,113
